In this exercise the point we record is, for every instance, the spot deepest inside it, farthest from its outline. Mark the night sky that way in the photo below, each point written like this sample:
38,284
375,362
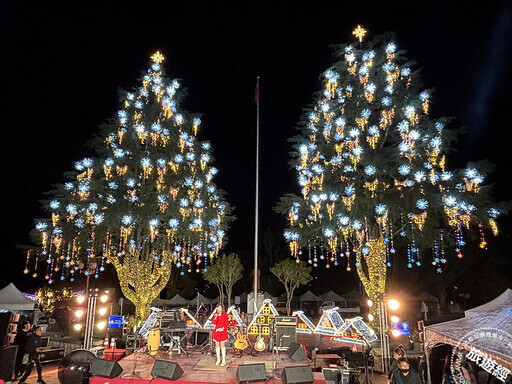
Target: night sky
63,66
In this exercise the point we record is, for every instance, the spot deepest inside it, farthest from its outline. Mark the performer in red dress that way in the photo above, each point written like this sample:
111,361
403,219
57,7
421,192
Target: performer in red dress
220,333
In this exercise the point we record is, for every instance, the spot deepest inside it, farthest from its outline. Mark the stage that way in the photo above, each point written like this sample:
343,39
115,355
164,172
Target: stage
199,367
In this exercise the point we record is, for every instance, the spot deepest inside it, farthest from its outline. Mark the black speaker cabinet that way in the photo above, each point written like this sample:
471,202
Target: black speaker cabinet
166,370
296,352
297,375
105,368
7,360
332,374
285,335
248,373
5,318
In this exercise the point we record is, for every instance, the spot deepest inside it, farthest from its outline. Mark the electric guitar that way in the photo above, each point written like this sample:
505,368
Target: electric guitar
259,345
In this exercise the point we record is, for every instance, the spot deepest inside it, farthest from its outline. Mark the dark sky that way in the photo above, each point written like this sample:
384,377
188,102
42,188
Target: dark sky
62,67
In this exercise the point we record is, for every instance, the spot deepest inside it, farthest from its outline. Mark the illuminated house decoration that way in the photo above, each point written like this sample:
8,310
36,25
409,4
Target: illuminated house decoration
355,331
329,322
191,322
260,324
304,325
234,317
208,324
150,322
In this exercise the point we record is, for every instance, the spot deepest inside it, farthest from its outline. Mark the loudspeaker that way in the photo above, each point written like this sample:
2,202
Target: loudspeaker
301,374
7,361
105,368
332,374
166,370
285,335
251,372
296,352
5,319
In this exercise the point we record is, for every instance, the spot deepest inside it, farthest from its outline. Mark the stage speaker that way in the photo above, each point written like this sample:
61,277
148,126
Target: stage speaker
105,368
166,370
5,319
251,372
7,360
285,335
332,374
296,352
297,375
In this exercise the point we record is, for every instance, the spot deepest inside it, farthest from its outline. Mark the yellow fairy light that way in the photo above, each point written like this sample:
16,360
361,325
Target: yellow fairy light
158,57
494,227
121,171
349,201
452,215
359,32
419,220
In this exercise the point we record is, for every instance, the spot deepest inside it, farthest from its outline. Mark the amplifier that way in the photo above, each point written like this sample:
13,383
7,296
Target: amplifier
285,320
51,354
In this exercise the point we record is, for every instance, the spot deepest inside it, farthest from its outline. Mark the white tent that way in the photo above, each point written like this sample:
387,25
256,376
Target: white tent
12,299
309,296
505,297
178,300
202,300
333,296
454,332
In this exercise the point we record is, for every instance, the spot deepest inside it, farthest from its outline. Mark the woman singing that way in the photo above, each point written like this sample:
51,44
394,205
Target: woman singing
220,333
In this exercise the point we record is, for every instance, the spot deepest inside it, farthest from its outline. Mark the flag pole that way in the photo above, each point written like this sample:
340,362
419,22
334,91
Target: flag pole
257,97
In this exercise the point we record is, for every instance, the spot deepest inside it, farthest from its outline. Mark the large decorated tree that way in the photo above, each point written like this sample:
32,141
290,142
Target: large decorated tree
146,200
372,167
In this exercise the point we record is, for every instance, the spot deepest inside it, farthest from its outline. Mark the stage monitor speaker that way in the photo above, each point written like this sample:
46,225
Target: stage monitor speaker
332,374
285,335
167,370
105,368
7,360
297,375
251,372
296,352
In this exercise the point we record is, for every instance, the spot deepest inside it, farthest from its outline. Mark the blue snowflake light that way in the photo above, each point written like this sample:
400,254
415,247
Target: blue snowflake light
380,209
422,204
370,170
127,219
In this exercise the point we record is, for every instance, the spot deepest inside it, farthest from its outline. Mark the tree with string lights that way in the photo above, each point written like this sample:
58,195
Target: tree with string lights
371,164
146,201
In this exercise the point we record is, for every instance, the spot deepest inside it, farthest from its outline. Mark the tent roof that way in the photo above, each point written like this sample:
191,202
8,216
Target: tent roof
202,300
452,332
12,299
505,297
178,300
331,296
158,302
309,296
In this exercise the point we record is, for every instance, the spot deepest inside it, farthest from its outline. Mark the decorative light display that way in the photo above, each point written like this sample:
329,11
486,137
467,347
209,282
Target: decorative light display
145,201
369,143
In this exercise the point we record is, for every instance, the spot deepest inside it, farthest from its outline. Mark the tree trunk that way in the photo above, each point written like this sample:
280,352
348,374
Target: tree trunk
374,278
229,289
289,296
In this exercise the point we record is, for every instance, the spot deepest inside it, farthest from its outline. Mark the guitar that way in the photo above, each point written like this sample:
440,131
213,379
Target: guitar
259,345
241,341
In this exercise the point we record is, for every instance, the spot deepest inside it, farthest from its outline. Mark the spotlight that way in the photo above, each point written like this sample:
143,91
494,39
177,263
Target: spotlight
393,304
394,319
370,317
80,299
102,311
104,298
101,325
395,332
370,303
79,313
77,327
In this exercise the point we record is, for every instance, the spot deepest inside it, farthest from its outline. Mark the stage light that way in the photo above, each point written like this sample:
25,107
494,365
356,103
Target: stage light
370,317
77,327
104,298
393,304
370,303
394,319
101,325
102,311
395,332
79,313
80,299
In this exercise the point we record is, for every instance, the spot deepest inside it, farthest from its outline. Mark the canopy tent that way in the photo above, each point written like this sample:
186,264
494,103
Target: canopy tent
505,297
332,296
202,300
309,296
178,300
158,302
12,299
454,332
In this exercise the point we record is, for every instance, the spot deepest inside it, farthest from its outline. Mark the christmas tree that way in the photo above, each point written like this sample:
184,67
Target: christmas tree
145,201
372,168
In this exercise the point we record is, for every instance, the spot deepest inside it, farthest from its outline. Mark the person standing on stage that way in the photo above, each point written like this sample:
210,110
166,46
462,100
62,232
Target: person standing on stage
33,348
220,333
20,340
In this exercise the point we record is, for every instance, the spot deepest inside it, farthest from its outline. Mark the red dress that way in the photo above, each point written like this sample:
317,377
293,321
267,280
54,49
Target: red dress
220,333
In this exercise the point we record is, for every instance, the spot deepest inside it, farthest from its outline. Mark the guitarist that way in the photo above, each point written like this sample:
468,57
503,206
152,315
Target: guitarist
220,333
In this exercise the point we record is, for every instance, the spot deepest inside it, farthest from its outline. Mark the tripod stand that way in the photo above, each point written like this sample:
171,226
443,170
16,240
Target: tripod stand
368,359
